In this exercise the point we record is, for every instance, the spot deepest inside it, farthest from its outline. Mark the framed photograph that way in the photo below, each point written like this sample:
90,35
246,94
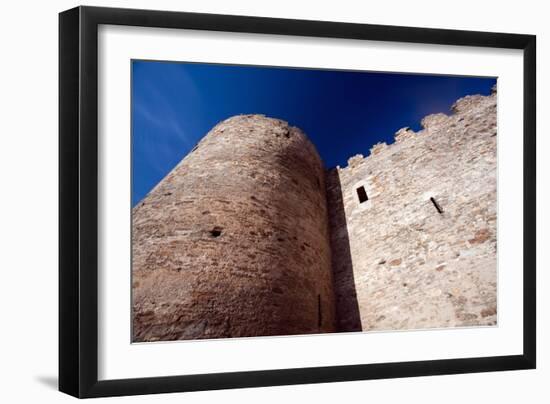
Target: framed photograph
251,201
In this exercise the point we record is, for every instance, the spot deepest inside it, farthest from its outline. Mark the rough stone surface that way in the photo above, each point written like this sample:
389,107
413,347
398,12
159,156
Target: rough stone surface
243,238
400,264
234,241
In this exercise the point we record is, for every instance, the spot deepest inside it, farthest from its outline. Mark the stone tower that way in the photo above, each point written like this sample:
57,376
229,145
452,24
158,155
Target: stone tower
234,241
413,225
243,237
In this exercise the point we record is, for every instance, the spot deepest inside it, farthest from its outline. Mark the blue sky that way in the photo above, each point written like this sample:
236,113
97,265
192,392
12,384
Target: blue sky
343,112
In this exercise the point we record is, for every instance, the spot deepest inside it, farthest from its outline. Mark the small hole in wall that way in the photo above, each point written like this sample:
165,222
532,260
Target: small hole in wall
362,194
216,232
436,205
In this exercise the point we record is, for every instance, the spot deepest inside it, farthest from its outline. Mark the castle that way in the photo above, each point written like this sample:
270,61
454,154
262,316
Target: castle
250,235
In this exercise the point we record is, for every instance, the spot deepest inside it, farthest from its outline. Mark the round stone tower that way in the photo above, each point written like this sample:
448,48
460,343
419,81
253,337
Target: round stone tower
234,241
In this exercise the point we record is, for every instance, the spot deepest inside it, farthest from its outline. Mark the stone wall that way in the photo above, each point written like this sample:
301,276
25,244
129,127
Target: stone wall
234,241
243,238
421,251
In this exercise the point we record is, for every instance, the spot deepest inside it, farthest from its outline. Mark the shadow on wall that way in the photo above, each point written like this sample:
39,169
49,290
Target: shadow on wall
347,309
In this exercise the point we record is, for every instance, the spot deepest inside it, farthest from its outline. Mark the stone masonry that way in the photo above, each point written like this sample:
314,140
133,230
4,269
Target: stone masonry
421,251
249,235
234,241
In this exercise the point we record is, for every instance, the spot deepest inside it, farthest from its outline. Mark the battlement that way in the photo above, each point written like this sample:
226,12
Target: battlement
378,147
466,107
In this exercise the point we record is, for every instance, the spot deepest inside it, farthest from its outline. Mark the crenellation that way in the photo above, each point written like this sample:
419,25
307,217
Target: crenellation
378,148
434,121
404,134
356,160
468,104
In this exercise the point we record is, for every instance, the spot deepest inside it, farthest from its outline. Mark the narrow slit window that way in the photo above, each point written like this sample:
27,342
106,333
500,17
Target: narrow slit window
436,205
362,194
319,312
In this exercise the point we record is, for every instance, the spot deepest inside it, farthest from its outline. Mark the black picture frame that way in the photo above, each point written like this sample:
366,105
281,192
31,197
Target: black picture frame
78,201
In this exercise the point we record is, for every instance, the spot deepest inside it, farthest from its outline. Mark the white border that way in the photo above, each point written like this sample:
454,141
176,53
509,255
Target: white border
120,359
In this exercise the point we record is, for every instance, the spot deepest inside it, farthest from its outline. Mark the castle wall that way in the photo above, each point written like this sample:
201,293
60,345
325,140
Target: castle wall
234,241
400,264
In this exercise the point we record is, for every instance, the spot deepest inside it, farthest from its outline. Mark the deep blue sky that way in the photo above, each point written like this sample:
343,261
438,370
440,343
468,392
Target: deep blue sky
343,112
